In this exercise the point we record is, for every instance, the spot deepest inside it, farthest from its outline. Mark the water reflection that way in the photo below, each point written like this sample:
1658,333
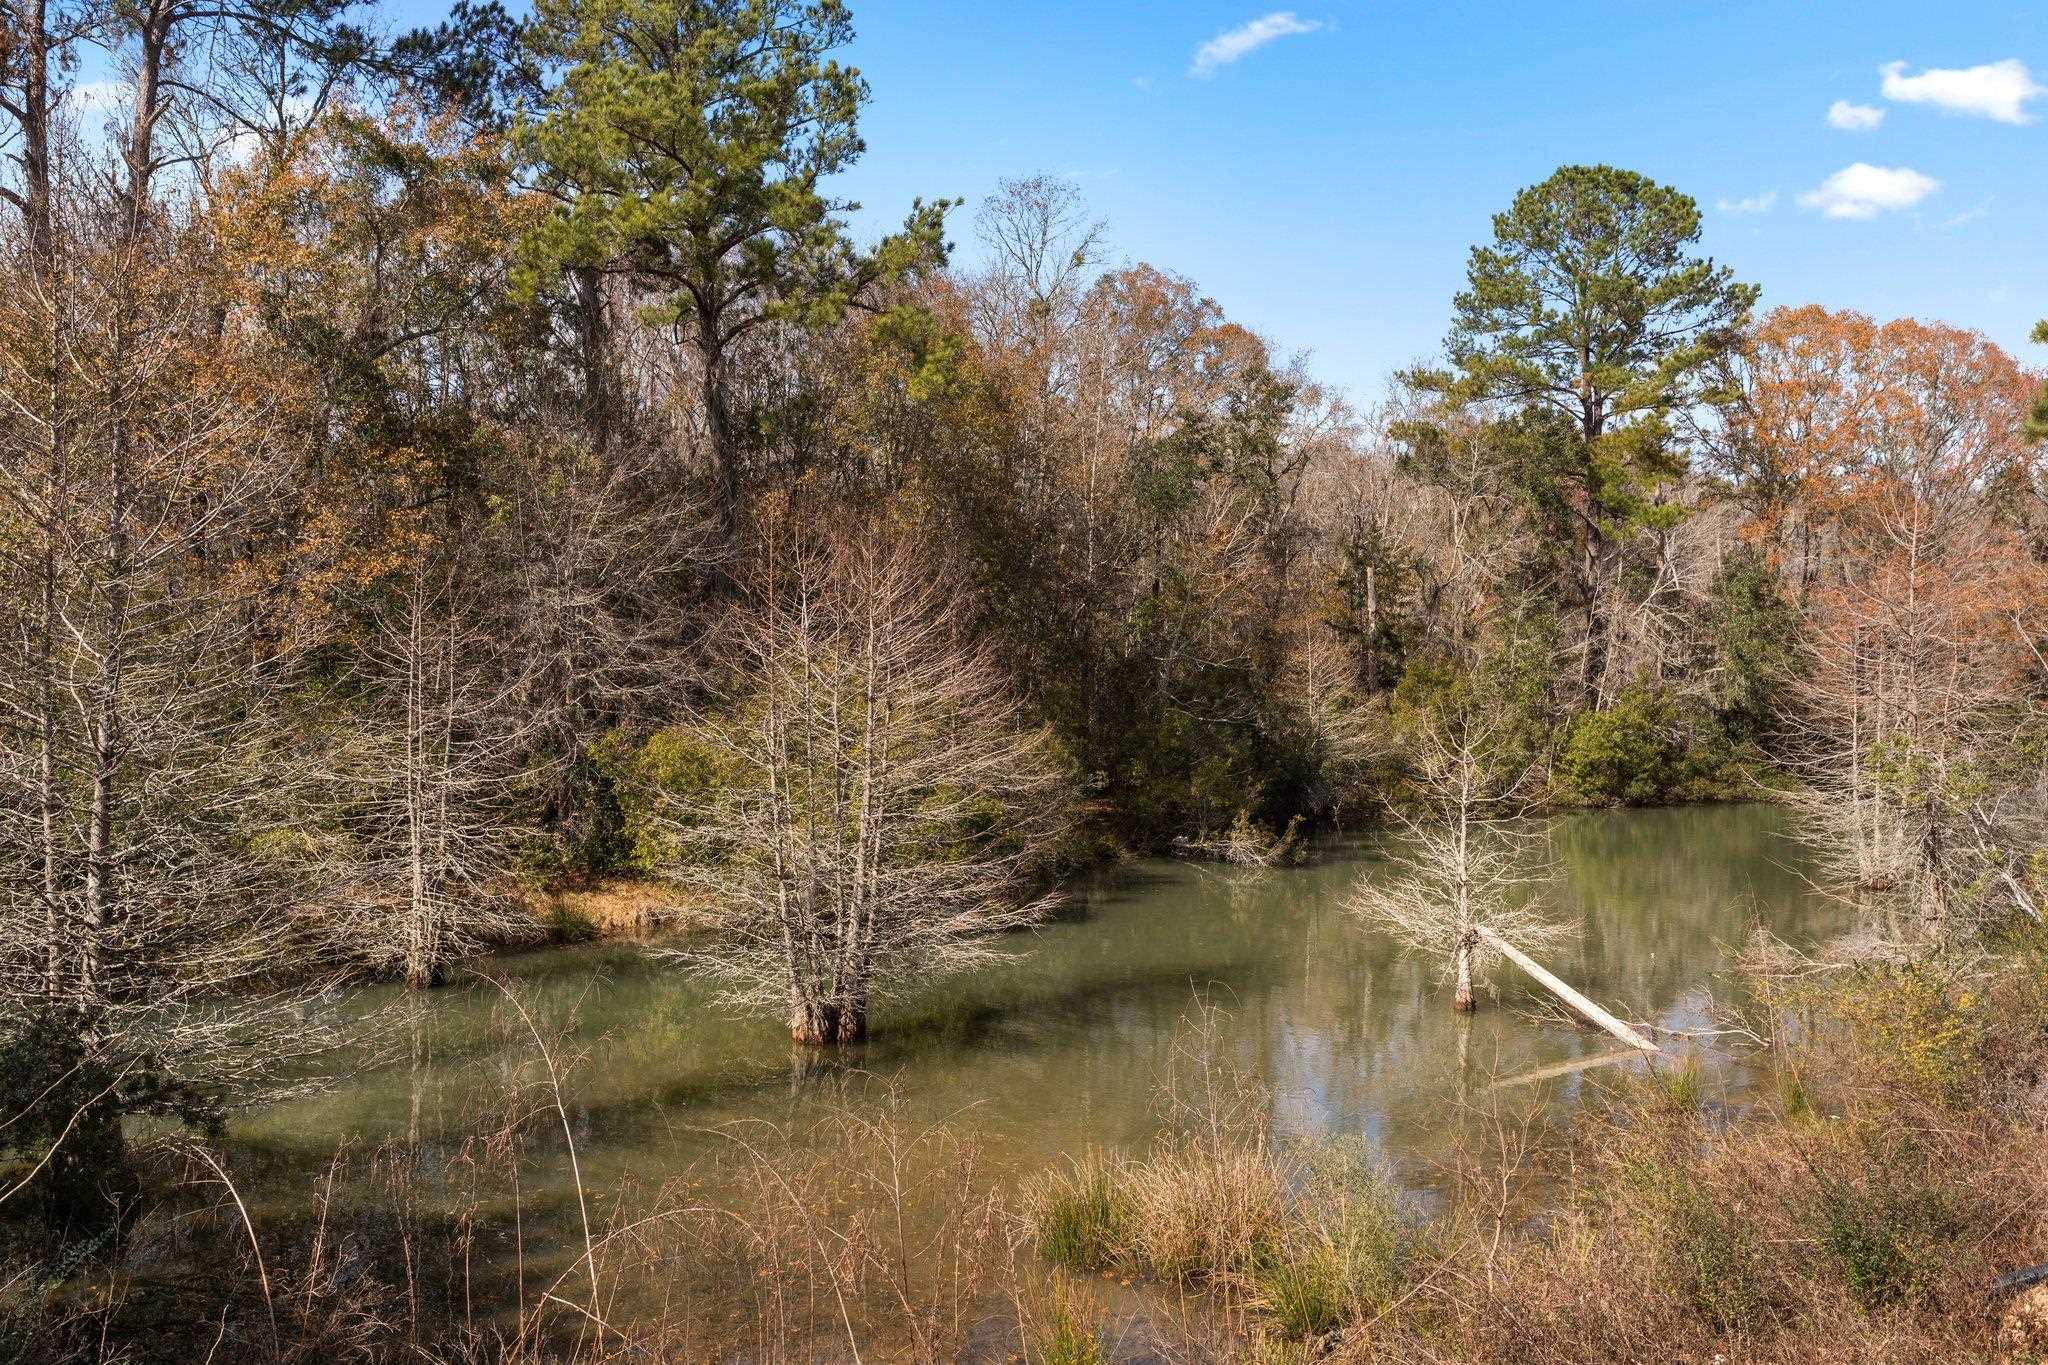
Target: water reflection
1063,1048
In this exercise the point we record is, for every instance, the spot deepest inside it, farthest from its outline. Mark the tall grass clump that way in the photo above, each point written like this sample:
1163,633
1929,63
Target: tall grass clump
1079,1215
1306,1235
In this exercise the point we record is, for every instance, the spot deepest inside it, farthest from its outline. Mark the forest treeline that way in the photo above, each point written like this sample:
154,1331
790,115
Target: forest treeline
443,463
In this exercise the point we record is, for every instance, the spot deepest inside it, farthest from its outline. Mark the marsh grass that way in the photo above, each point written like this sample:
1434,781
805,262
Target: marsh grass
1069,1331
1079,1216
1293,1240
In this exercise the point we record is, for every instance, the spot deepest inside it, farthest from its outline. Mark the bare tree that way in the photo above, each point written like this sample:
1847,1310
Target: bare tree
423,780
1340,732
149,958
1042,245
1464,864
879,807
603,550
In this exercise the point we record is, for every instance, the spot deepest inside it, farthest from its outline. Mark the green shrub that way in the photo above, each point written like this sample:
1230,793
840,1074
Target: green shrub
1707,1251
1915,1029
1627,754
668,769
1302,1290
1885,1239
1716,1259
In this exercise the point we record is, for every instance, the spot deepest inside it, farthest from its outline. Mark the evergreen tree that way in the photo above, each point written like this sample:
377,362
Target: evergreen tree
2037,425
1588,304
687,142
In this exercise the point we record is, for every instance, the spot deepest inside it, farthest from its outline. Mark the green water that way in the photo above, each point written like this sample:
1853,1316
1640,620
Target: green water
1065,1046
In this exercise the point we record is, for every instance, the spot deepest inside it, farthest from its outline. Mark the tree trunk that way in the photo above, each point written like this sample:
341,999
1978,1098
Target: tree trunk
814,1023
1372,630
34,116
851,1020
828,1023
1934,876
1462,1001
1592,679
725,446
1565,992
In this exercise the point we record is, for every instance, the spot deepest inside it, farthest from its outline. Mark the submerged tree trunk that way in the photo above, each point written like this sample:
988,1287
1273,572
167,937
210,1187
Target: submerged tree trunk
1462,1001
1564,991
824,1023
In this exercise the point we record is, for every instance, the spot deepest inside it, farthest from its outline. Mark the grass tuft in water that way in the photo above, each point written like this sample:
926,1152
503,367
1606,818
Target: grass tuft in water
1077,1215
1069,1336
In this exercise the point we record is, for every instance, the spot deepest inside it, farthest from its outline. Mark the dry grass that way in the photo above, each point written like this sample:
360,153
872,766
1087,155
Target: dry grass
617,907
1860,1217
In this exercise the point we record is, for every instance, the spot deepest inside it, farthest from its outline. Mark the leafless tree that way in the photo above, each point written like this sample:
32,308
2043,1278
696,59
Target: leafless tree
1464,863
423,779
603,550
1042,245
1915,659
879,805
1342,733
147,941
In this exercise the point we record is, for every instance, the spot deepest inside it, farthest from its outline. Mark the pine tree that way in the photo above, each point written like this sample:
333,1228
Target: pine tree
687,142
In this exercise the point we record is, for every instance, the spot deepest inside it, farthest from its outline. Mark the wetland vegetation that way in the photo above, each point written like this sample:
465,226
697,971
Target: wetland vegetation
1088,796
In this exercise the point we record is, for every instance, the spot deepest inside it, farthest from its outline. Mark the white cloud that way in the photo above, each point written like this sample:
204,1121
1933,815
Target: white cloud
1995,90
1227,47
1144,83
1864,191
1854,118
1755,203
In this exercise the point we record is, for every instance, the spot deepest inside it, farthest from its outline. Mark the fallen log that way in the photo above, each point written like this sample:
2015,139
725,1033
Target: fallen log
1564,992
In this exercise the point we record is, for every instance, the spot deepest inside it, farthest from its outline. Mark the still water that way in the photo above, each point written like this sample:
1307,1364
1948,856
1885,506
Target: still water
1063,1048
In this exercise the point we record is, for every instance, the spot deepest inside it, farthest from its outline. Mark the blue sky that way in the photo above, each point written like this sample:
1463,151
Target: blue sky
1325,185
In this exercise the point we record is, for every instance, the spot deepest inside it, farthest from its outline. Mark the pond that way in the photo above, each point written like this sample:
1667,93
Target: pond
1063,1047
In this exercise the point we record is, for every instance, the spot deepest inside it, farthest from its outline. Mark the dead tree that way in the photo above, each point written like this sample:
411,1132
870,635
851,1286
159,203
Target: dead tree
1464,866
879,805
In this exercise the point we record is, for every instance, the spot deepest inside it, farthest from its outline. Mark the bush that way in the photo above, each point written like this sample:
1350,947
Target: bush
672,766
1887,1237
1626,754
1907,1027
563,925
1754,630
